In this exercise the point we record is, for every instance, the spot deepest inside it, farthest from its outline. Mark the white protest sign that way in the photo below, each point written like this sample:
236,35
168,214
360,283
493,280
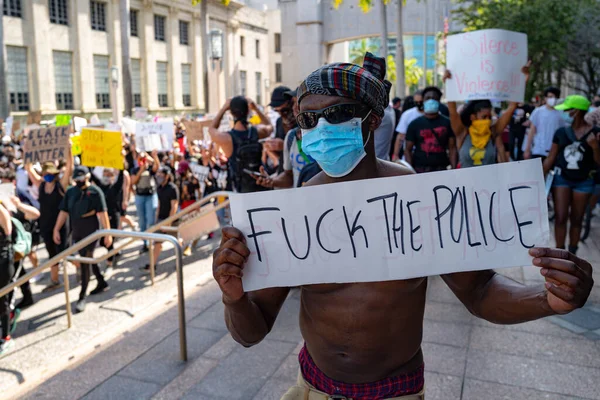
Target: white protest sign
394,228
155,135
7,190
129,125
486,64
9,125
79,123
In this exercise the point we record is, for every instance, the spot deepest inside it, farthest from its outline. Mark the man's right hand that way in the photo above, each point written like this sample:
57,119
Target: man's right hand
228,264
264,180
56,237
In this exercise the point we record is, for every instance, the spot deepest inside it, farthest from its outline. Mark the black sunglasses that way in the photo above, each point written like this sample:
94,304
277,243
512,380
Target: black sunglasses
336,114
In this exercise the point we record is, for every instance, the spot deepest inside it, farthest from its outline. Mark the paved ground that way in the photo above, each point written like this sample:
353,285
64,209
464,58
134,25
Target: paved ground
466,358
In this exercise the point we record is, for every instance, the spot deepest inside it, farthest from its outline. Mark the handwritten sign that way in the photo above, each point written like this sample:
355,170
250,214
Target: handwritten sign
7,191
394,228
79,123
101,148
63,120
195,130
154,135
8,128
76,145
486,64
46,144
34,118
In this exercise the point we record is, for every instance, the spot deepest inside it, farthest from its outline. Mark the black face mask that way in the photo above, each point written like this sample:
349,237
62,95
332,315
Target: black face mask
419,105
80,184
597,103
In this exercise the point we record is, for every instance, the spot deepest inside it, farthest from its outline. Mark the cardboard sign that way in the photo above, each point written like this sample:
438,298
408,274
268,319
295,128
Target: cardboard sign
154,135
101,148
16,126
394,228
46,144
34,118
195,130
196,227
76,145
486,64
63,120
7,191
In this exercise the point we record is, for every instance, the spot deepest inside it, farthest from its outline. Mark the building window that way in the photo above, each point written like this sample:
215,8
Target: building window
12,8
58,12
257,44
258,88
278,43
101,78
159,28
136,82
242,46
186,84
98,14
163,84
278,74
63,78
184,33
17,80
243,87
133,23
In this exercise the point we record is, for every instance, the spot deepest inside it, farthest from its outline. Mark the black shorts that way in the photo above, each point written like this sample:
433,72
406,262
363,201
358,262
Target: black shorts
52,248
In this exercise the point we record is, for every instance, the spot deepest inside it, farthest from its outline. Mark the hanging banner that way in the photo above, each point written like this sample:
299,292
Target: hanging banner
486,64
394,228
101,148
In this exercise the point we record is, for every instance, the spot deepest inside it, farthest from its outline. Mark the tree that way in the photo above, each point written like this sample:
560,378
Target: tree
4,109
126,56
550,26
412,72
357,54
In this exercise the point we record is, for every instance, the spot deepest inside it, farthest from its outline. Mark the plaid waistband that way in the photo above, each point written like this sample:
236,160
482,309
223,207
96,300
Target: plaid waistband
401,385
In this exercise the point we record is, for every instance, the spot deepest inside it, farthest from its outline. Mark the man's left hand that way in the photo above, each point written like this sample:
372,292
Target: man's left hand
568,278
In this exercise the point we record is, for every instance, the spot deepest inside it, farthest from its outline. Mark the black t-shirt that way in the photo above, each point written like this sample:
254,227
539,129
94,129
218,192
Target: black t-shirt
82,206
192,186
49,206
575,156
113,194
520,116
430,138
166,194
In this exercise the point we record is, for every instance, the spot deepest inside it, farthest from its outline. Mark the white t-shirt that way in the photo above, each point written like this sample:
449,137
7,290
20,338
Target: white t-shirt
292,159
407,117
547,121
384,134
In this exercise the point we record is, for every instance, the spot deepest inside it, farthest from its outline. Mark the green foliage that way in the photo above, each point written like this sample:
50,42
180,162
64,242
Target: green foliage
550,26
365,5
412,72
357,53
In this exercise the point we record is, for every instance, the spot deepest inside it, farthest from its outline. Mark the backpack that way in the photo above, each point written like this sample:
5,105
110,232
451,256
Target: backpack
21,240
248,156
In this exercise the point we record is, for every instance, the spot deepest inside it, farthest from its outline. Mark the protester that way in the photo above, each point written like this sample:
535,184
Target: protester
112,184
241,144
85,205
51,191
517,129
575,156
430,141
407,117
146,201
372,348
544,122
282,103
384,135
168,203
7,271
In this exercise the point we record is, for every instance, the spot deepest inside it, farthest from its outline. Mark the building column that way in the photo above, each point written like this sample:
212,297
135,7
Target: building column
197,64
83,58
175,84
42,85
149,60
116,60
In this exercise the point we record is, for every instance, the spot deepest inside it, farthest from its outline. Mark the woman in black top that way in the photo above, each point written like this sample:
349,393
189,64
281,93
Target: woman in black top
6,274
575,155
52,189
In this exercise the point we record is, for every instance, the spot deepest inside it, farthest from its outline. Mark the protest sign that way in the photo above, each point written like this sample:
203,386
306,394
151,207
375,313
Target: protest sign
101,148
76,145
394,228
63,120
7,191
34,118
486,64
195,130
8,128
46,144
129,125
154,135
79,123
140,113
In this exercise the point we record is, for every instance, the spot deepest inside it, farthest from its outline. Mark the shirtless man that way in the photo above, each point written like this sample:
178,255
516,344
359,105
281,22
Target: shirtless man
360,343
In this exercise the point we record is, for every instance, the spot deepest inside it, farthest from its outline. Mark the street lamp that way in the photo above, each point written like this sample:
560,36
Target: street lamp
114,80
216,44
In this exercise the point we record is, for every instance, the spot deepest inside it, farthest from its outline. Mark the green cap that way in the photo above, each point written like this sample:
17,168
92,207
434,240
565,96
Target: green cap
576,102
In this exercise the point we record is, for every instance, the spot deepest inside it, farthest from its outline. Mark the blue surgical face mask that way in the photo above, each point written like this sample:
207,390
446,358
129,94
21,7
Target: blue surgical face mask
431,106
49,178
567,118
338,148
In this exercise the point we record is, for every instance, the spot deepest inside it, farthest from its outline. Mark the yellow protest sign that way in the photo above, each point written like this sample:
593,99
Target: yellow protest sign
101,148
76,145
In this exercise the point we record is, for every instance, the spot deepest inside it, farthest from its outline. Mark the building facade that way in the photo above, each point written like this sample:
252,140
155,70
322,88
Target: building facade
60,53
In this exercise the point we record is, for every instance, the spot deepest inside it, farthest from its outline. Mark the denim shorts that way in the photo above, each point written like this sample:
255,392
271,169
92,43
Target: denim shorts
586,186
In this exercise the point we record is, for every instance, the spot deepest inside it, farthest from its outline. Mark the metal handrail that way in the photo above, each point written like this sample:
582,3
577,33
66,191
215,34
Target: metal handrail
114,233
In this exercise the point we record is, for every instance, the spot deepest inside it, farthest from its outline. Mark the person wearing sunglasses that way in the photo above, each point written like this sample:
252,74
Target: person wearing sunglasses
363,340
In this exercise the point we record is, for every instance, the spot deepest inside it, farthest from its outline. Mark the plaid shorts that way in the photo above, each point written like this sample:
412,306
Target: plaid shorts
401,385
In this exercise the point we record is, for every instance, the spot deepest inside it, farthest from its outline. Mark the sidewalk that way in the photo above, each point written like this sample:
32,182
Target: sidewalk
465,358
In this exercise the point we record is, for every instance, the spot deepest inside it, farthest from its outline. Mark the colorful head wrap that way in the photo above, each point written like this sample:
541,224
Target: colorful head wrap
366,84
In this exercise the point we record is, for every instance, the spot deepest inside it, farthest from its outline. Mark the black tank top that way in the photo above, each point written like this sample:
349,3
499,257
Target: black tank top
49,206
